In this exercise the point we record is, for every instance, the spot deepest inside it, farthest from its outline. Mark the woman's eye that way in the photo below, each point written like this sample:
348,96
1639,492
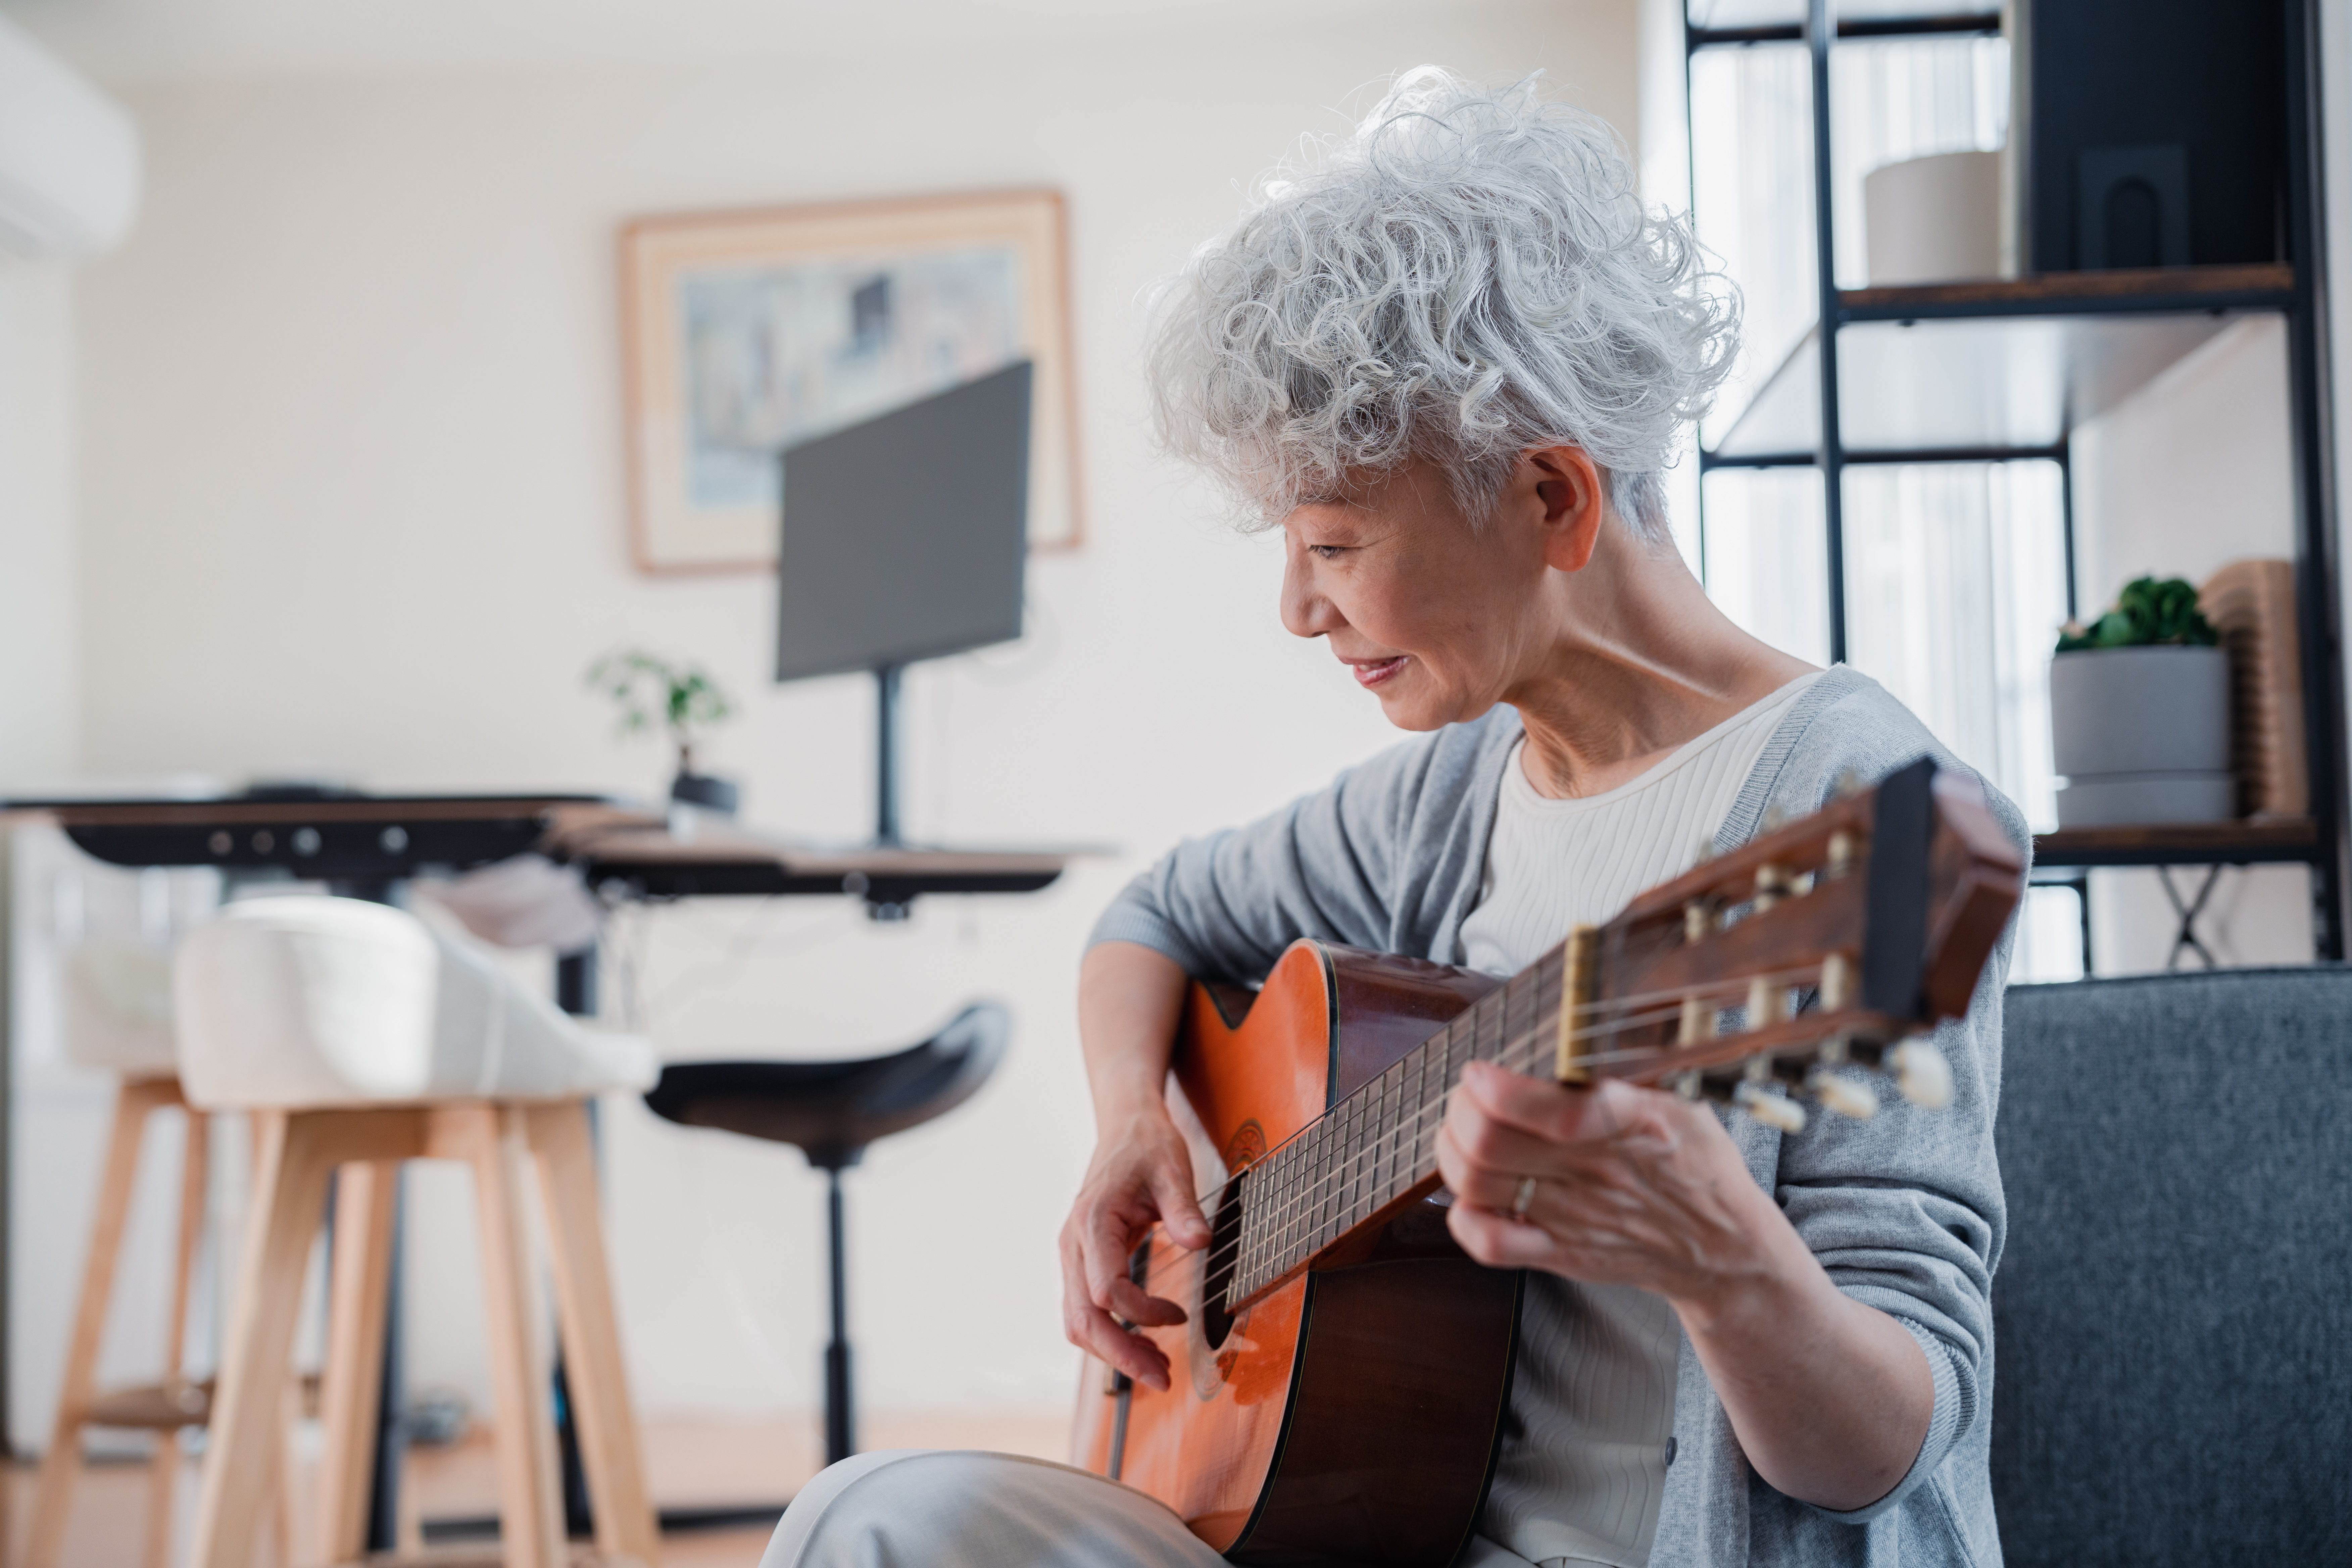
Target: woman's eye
1328,552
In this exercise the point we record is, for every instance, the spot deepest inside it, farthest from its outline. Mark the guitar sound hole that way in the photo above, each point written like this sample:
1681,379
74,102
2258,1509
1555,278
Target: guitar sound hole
1217,1279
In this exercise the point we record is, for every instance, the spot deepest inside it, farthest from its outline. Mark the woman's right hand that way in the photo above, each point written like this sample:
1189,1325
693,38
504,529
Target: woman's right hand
1140,1174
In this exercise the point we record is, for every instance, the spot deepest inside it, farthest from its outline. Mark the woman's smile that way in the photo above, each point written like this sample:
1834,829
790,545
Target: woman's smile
1373,671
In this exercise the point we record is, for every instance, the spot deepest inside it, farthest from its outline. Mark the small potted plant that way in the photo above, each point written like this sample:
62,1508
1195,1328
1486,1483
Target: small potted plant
681,698
2140,713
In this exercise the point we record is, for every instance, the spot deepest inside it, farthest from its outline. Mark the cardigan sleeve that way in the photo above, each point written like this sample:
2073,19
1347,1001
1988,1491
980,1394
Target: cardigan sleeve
1325,866
1905,1211
1388,857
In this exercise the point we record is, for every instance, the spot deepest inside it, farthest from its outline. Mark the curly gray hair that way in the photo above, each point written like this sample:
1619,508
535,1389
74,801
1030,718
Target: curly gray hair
1468,275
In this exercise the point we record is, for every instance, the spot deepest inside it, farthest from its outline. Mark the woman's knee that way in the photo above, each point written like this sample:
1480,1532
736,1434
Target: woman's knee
826,1514
949,1509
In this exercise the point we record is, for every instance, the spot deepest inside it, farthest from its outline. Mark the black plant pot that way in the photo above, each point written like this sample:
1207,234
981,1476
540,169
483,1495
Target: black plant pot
707,790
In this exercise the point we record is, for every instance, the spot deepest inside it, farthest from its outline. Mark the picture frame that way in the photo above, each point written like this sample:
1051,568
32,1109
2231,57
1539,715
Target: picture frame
744,333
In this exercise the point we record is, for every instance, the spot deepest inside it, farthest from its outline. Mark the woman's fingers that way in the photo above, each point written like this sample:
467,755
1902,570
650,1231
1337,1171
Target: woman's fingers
1180,1211
1098,1332
1485,1143
1091,1327
1498,1241
1109,1253
1474,1182
1543,1109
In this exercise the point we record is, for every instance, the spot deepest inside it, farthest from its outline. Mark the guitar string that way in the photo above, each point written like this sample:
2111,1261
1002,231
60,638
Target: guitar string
1280,1217
1277,1233
1522,1050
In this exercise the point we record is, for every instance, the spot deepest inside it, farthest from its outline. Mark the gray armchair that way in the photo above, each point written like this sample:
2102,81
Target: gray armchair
2173,1312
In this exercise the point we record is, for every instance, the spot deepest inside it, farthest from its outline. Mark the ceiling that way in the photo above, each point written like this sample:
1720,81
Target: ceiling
150,40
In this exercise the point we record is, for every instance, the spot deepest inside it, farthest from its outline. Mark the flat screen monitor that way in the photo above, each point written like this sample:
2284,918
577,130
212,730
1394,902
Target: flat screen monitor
905,538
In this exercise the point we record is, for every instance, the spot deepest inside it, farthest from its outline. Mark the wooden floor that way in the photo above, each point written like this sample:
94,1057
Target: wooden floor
689,1464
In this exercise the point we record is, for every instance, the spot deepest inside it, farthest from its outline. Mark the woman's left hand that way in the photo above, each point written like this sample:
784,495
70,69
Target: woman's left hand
1830,1398
1630,1186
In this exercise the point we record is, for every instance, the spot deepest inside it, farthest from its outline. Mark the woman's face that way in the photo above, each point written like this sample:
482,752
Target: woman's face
1437,619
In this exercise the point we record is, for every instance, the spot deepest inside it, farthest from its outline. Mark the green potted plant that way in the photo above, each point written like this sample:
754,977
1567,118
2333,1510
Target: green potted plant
681,699
2140,713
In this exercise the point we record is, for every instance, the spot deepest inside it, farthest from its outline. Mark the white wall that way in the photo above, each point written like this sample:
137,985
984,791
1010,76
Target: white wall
37,553
2191,473
355,504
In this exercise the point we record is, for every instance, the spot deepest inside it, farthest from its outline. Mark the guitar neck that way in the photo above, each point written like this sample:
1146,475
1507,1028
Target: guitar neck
1352,1168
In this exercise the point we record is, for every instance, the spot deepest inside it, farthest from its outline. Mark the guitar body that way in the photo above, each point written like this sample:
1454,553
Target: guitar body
1352,1415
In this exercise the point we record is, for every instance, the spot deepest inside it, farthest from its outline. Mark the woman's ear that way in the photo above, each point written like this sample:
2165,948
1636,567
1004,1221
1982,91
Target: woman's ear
1567,484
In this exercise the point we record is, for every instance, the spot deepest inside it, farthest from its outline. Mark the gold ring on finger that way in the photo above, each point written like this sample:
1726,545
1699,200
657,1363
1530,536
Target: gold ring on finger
1526,1195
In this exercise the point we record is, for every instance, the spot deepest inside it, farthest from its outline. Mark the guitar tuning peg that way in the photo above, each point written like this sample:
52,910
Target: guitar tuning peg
1847,1097
1775,1110
1837,982
1841,854
1774,818
1849,783
1922,1074
1704,852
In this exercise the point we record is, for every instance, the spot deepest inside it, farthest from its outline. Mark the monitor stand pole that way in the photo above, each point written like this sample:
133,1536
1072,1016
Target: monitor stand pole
885,769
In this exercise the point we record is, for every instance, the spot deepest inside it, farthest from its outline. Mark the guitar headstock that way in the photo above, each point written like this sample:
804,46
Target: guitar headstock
1820,946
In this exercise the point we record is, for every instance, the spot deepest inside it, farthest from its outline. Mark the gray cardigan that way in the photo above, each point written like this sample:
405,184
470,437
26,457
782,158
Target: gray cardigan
1904,1210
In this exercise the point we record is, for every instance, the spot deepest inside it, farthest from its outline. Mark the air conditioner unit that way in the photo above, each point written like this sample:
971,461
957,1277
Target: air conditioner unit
69,155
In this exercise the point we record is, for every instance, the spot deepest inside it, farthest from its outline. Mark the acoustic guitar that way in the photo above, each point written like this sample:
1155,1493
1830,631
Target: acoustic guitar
1338,1392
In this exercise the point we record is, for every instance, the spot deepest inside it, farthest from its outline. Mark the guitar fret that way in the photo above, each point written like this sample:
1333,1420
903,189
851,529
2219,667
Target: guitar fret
1328,1150
1360,1167
1422,1126
1514,996
1327,1203
1306,1219
1384,1165
1270,1245
1312,1165
1351,1153
1551,988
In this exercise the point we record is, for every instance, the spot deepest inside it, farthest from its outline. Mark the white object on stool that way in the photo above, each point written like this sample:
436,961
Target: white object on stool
526,900
305,1002
118,1008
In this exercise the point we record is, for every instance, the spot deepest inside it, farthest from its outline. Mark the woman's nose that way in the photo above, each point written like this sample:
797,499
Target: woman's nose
1306,612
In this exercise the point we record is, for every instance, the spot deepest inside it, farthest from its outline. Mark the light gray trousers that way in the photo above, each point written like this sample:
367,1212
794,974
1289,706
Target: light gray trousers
922,1508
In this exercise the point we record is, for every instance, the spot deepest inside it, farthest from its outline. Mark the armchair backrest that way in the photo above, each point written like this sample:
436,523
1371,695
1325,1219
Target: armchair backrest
2173,1312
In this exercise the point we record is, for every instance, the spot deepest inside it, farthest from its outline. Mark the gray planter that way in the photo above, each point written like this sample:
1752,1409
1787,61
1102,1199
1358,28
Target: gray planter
2142,735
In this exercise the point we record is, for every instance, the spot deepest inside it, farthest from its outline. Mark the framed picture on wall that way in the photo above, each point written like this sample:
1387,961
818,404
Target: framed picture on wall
745,334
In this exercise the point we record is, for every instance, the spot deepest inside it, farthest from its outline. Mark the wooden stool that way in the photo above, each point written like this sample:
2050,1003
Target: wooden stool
161,1408
395,1044
118,1019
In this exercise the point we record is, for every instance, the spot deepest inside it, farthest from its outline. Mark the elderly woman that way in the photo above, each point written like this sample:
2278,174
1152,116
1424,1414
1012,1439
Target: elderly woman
1448,361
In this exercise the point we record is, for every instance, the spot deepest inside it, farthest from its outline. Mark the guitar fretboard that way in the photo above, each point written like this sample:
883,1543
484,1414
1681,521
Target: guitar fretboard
1379,1143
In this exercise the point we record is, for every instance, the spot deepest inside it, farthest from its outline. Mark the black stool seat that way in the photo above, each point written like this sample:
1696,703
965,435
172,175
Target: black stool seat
831,1110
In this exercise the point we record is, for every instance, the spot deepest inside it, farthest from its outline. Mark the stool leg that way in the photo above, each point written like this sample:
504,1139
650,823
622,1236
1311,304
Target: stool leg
840,1410
364,1215
530,1511
163,1473
243,1455
591,1340
53,1496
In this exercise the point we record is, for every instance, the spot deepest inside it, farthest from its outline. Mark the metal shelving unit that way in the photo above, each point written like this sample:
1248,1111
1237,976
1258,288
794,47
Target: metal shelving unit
1932,375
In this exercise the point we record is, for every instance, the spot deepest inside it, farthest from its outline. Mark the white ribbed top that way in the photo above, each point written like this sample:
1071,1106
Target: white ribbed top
1592,1407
